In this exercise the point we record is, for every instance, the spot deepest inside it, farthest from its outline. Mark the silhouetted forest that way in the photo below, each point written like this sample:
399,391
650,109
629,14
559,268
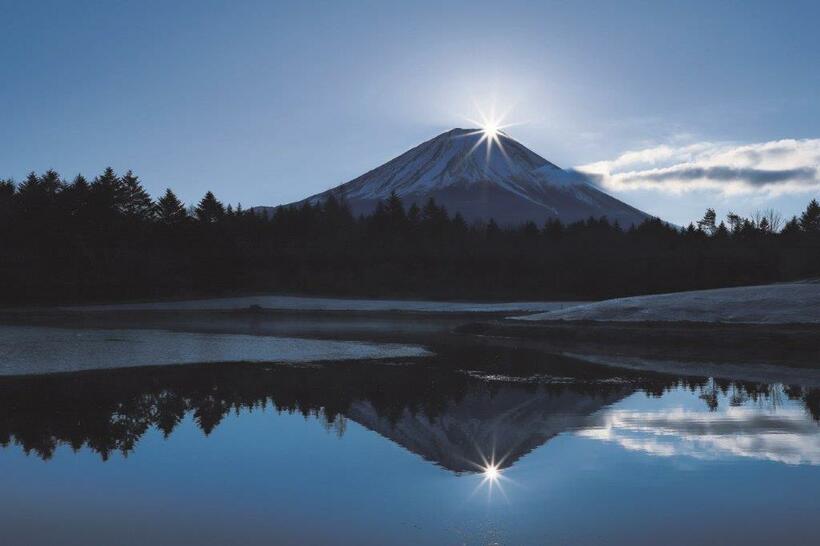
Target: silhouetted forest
108,239
108,411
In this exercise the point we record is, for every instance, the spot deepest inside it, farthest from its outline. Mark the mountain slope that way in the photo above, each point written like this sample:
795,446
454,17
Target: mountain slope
483,179
508,421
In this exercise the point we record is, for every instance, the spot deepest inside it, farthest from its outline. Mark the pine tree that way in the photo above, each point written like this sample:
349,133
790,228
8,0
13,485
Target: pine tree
529,230
735,222
74,197
80,185
810,219
414,214
108,180
134,201
553,229
51,183
492,229
792,227
32,197
707,223
169,209
434,218
209,209
460,224
6,200
430,212
6,190
106,194
394,212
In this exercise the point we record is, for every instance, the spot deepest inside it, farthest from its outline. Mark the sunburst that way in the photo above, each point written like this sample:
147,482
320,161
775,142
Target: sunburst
492,475
491,128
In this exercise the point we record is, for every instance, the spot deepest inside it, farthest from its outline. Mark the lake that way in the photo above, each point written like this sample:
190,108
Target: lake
385,443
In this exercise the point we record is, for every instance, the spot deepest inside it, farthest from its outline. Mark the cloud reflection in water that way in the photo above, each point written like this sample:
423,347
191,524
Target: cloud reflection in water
786,435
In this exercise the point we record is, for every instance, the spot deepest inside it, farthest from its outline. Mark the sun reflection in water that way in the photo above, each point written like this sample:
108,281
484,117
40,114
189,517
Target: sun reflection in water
492,477
492,473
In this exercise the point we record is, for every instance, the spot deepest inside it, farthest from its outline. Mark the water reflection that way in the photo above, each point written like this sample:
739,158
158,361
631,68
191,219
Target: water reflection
468,410
758,427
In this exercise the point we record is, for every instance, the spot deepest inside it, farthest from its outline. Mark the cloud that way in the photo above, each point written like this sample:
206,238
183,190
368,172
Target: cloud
788,436
771,168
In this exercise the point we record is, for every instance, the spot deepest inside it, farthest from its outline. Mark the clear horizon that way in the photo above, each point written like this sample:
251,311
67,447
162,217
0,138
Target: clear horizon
676,107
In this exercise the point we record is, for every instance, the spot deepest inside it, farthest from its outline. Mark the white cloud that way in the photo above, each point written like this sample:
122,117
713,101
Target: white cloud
788,436
770,168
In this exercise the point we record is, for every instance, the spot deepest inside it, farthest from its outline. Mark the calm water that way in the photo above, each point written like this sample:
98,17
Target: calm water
475,446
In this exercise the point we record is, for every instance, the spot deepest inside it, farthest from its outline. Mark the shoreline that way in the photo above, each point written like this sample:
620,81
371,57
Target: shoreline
785,353
753,352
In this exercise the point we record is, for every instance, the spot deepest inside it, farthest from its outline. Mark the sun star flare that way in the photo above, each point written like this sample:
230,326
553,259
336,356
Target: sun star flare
491,127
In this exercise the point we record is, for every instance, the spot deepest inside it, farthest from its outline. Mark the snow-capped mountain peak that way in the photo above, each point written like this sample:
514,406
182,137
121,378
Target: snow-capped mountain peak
483,177
459,156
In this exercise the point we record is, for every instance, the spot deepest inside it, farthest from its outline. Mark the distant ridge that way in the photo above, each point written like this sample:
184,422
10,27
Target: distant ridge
506,182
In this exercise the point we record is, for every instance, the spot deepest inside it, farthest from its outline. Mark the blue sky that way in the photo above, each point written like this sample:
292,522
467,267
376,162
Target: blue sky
268,102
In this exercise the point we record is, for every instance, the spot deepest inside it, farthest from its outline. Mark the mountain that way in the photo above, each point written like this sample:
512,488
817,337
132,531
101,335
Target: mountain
482,178
507,421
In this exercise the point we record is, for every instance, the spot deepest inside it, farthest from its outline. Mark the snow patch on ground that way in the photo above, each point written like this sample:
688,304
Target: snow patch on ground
38,350
768,304
297,303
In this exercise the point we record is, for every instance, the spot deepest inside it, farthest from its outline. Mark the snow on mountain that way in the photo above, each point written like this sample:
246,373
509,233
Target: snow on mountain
507,422
482,179
451,158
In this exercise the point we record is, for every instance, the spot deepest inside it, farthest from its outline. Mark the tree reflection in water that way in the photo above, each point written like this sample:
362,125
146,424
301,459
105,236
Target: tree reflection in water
447,409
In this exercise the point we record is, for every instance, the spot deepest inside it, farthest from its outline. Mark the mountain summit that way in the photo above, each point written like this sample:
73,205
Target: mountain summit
483,177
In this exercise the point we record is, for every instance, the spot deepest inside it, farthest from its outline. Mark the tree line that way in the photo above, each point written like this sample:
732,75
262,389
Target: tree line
106,238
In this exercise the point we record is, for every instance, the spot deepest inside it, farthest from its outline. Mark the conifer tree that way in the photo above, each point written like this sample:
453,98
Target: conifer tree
491,230
170,210
209,210
553,229
107,180
134,201
32,197
735,222
394,212
810,219
6,200
792,227
414,215
51,183
105,194
80,184
74,197
430,212
707,223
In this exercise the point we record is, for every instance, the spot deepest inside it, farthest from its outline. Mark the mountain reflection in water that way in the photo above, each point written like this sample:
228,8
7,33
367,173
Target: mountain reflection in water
455,410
